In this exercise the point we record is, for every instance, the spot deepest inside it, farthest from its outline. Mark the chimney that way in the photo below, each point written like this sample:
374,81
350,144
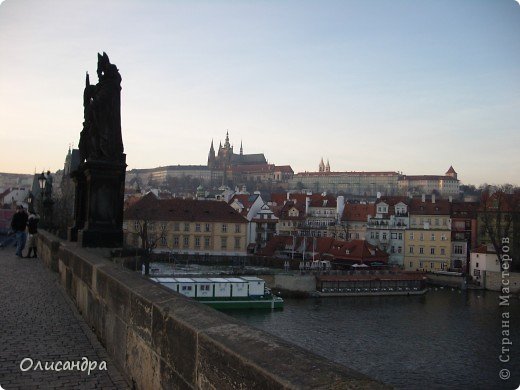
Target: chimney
423,198
433,198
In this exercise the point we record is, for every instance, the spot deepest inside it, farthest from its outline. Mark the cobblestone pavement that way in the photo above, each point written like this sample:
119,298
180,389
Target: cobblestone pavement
38,321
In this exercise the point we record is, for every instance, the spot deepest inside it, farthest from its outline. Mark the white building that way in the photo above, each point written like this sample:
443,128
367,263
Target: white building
482,259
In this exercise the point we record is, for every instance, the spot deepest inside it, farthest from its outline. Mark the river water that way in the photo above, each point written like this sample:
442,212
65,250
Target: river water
445,339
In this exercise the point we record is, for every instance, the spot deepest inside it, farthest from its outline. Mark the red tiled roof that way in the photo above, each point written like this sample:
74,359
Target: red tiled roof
282,212
316,200
483,249
177,209
358,212
283,168
440,207
393,200
355,251
464,209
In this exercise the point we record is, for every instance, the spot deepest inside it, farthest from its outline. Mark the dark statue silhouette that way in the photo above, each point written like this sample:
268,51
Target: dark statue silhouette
100,175
100,138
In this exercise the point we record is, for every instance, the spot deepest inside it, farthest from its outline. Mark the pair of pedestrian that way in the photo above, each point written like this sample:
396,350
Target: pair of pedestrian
21,222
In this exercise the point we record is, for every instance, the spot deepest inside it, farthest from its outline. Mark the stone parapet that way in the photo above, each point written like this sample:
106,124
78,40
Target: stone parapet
163,340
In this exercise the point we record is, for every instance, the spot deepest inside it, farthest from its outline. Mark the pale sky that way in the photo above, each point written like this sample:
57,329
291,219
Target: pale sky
401,85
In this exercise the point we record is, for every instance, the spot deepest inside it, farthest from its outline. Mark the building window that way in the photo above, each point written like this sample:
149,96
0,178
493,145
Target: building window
224,228
421,250
443,251
237,228
384,236
399,249
137,225
411,236
197,227
421,237
176,241
206,242
197,242
393,249
400,236
163,241
223,242
372,235
432,251
357,236
443,237
393,235
432,265
237,242
433,236
411,264
186,241
207,227
176,226
411,249
186,227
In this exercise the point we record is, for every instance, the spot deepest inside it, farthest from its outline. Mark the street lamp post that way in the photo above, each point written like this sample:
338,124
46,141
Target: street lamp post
30,201
41,182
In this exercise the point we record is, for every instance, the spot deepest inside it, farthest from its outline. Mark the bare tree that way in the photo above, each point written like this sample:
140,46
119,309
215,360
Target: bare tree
149,238
500,224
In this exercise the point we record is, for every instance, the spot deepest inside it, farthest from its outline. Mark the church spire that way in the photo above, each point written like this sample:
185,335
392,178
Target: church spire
241,149
226,144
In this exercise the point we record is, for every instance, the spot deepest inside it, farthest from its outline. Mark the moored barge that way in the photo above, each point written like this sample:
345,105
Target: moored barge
371,284
245,292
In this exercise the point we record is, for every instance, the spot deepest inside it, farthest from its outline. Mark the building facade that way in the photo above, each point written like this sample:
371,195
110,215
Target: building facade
187,226
427,242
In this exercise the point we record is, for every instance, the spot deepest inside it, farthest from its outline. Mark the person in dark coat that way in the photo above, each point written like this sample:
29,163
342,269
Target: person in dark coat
32,229
19,224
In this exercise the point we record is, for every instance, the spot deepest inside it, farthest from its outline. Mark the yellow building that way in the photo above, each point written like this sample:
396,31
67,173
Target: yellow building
186,226
428,240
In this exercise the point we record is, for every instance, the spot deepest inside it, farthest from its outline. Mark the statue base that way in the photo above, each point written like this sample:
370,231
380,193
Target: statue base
100,239
102,206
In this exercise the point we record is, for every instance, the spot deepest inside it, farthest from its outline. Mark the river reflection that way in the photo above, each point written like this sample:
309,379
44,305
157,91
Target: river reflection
446,339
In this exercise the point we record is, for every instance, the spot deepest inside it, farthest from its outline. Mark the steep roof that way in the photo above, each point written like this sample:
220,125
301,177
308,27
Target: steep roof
451,170
177,209
440,207
464,209
258,158
357,212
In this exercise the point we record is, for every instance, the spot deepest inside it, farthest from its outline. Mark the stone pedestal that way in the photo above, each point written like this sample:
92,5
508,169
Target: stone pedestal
100,187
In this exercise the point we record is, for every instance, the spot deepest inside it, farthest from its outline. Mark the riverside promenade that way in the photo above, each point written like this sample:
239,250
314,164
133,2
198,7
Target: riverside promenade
38,321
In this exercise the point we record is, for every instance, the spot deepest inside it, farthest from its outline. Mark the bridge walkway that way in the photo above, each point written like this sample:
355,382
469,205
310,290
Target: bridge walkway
39,322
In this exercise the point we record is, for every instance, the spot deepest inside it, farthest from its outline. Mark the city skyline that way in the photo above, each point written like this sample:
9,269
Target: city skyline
371,86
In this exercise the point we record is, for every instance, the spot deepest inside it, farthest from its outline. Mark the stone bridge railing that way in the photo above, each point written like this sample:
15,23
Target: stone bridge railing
162,340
